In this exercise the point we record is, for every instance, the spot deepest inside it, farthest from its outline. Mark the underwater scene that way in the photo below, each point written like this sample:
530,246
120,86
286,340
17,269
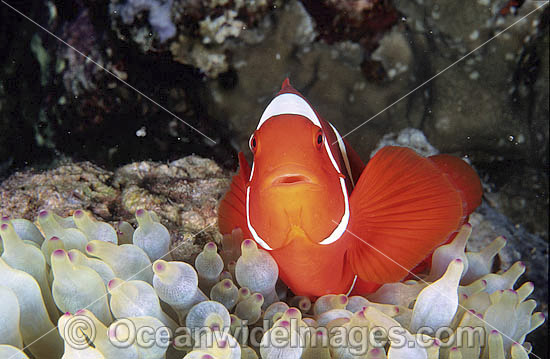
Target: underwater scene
275,179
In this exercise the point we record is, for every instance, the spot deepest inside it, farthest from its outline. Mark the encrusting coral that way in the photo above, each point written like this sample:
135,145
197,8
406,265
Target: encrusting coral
114,284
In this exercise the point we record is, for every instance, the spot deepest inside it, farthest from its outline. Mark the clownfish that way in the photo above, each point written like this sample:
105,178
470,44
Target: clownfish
332,222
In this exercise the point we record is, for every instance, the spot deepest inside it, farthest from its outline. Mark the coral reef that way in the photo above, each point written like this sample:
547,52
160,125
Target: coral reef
203,34
359,21
57,101
184,193
159,15
460,309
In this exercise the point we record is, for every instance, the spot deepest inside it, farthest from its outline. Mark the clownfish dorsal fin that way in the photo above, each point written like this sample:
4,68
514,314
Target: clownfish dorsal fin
402,207
286,86
232,208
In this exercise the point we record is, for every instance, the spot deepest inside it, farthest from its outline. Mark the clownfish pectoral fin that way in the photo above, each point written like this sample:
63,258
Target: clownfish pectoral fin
402,207
232,209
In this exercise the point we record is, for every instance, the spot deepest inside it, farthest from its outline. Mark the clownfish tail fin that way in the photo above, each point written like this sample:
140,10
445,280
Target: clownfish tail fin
232,208
401,209
463,177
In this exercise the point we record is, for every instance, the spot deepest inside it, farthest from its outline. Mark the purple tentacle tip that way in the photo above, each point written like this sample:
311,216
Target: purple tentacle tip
159,267
285,324
292,311
343,299
4,227
59,252
43,214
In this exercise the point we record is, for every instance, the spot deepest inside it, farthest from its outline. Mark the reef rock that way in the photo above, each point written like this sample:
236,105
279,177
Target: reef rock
183,193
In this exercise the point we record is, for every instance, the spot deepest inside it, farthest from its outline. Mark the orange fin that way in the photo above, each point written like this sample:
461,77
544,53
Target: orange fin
232,209
402,207
463,177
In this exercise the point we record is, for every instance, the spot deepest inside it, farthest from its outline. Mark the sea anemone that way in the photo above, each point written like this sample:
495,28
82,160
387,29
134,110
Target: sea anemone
231,304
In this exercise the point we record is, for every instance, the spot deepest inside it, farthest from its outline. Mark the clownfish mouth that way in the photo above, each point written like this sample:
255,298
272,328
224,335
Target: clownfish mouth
291,179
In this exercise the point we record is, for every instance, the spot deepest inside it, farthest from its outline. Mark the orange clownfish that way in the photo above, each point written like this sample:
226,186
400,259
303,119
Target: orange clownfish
326,218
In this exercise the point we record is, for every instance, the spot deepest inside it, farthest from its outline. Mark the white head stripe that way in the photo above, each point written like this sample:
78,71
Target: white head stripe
251,172
341,228
332,160
289,104
255,235
344,153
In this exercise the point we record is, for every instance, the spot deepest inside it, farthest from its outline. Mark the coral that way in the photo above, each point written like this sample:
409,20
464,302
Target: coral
159,15
360,21
460,309
408,137
184,193
203,34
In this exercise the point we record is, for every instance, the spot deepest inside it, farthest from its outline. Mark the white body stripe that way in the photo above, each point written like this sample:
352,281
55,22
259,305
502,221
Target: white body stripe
292,104
352,286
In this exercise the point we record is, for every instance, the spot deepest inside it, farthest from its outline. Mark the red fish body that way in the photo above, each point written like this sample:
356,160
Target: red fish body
325,217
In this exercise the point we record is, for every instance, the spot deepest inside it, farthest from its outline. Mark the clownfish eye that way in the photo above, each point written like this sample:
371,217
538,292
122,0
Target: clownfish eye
253,143
318,138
